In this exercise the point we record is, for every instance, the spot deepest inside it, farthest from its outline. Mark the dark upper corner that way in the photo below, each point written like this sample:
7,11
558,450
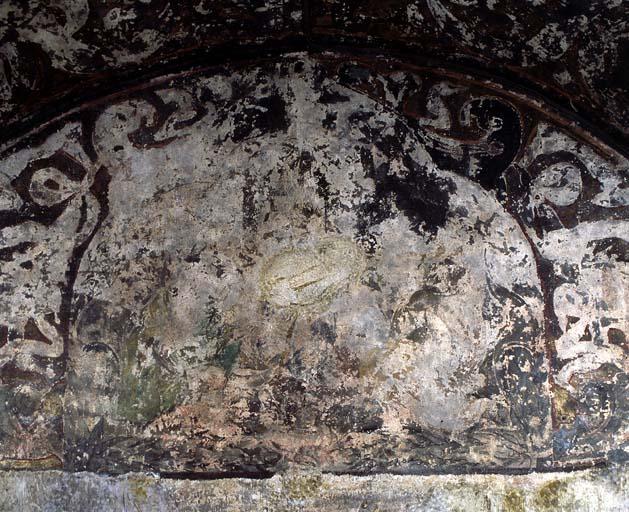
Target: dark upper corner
56,55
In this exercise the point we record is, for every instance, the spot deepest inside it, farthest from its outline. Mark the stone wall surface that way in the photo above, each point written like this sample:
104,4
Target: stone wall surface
583,491
313,262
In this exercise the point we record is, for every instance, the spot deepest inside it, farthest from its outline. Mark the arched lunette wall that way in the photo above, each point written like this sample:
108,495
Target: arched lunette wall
313,261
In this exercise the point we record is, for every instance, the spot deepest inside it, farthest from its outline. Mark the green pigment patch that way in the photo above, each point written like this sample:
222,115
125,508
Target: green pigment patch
513,501
550,495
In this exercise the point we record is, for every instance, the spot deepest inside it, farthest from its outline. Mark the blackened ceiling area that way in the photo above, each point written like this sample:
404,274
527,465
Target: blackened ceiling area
57,54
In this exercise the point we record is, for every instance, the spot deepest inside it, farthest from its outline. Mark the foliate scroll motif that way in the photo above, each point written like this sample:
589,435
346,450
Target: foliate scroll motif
318,264
575,208
53,200
53,49
579,51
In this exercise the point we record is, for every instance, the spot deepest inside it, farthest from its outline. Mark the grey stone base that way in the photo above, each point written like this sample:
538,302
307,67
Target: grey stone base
592,490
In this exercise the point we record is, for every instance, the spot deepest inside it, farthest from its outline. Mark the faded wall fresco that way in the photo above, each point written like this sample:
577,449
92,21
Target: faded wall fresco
313,262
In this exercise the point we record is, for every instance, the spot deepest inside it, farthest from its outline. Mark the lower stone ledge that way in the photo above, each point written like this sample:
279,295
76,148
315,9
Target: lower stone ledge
604,489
